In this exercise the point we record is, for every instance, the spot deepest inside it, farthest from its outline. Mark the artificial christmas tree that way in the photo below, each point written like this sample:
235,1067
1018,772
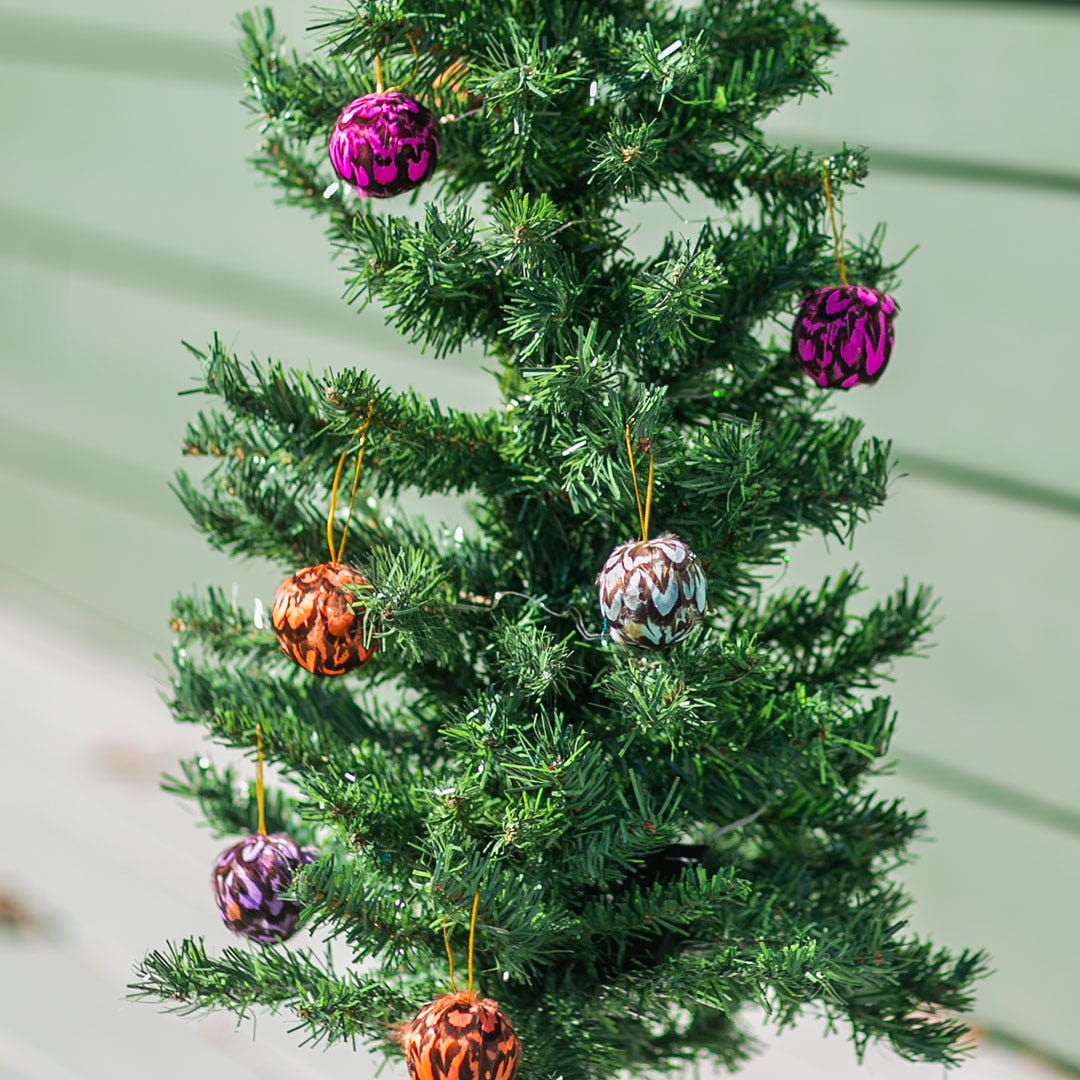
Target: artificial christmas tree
659,837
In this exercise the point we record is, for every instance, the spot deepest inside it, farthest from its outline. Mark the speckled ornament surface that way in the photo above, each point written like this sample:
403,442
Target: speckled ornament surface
461,1037
843,336
385,144
652,592
248,881
316,623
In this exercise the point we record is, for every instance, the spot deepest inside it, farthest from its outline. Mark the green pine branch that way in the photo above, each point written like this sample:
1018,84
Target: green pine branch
822,643
328,1008
231,808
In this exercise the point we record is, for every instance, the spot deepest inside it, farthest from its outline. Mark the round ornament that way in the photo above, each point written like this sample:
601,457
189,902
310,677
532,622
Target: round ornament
461,1036
652,592
843,335
384,144
316,623
248,881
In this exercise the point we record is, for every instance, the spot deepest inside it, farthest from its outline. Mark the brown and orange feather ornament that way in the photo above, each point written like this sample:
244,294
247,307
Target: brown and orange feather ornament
460,1036
316,623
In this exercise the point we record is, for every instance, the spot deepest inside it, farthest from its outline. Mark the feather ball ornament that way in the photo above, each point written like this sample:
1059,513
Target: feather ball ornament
843,335
384,144
460,1036
248,881
318,625
652,592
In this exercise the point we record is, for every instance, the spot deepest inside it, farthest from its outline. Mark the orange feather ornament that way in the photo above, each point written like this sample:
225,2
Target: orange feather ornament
460,1036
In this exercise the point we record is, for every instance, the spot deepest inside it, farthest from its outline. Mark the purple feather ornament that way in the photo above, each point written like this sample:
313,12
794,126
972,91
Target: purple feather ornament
248,881
384,144
843,335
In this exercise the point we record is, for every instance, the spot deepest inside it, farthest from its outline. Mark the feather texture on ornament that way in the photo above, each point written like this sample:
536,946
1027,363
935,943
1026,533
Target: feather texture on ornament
652,592
317,624
460,1036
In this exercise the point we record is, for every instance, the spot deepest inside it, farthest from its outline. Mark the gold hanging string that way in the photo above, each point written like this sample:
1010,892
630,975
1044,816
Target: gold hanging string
643,512
411,78
333,508
633,473
837,233
260,790
337,552
472,936
449,954
648,499
472,943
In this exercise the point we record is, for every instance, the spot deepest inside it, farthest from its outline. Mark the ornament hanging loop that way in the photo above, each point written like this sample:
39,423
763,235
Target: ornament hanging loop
472,945
837,233
645,512
472,935
449,955
338,551
379,87
260,788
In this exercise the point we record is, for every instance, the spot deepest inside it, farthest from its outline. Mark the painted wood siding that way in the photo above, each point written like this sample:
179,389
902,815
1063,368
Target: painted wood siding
129,221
